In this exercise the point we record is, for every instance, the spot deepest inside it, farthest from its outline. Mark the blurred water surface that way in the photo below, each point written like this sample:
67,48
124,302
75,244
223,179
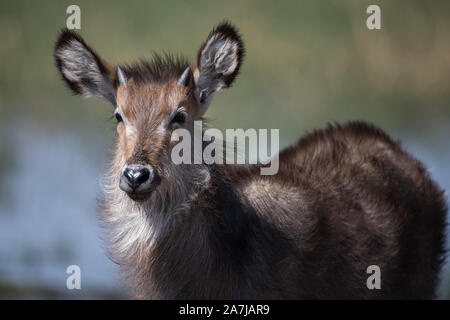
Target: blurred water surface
48,212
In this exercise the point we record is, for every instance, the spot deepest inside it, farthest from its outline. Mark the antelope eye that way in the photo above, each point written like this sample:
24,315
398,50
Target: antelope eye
180,118
118,117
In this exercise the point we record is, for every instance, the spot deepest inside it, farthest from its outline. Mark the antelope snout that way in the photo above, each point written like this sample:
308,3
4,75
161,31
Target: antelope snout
137,179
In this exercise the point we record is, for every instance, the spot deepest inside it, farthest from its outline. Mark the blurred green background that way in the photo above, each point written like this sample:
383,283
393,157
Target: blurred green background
308,63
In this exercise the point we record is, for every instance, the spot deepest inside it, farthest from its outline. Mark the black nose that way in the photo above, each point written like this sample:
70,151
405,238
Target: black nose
136,176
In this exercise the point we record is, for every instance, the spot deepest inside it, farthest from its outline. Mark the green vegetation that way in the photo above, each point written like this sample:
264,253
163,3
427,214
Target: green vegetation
308,62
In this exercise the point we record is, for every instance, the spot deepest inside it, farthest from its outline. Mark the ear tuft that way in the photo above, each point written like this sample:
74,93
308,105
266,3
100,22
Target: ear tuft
218,61
224,51
82,69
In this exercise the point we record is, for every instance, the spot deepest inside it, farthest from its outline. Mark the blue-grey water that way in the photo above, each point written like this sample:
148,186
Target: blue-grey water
48,211
49,186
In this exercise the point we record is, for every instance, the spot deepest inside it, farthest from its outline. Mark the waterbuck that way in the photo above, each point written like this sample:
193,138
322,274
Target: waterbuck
344,198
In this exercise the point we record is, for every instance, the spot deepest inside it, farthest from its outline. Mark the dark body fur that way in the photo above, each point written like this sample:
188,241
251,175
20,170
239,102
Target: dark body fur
344,198
361,201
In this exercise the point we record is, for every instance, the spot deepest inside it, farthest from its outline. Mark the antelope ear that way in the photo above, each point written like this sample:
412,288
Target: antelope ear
84,72
218,62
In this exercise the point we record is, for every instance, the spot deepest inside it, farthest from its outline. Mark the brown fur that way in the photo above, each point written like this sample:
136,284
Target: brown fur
344,198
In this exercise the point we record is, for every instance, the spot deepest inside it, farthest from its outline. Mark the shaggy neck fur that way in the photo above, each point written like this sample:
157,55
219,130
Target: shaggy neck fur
190,232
